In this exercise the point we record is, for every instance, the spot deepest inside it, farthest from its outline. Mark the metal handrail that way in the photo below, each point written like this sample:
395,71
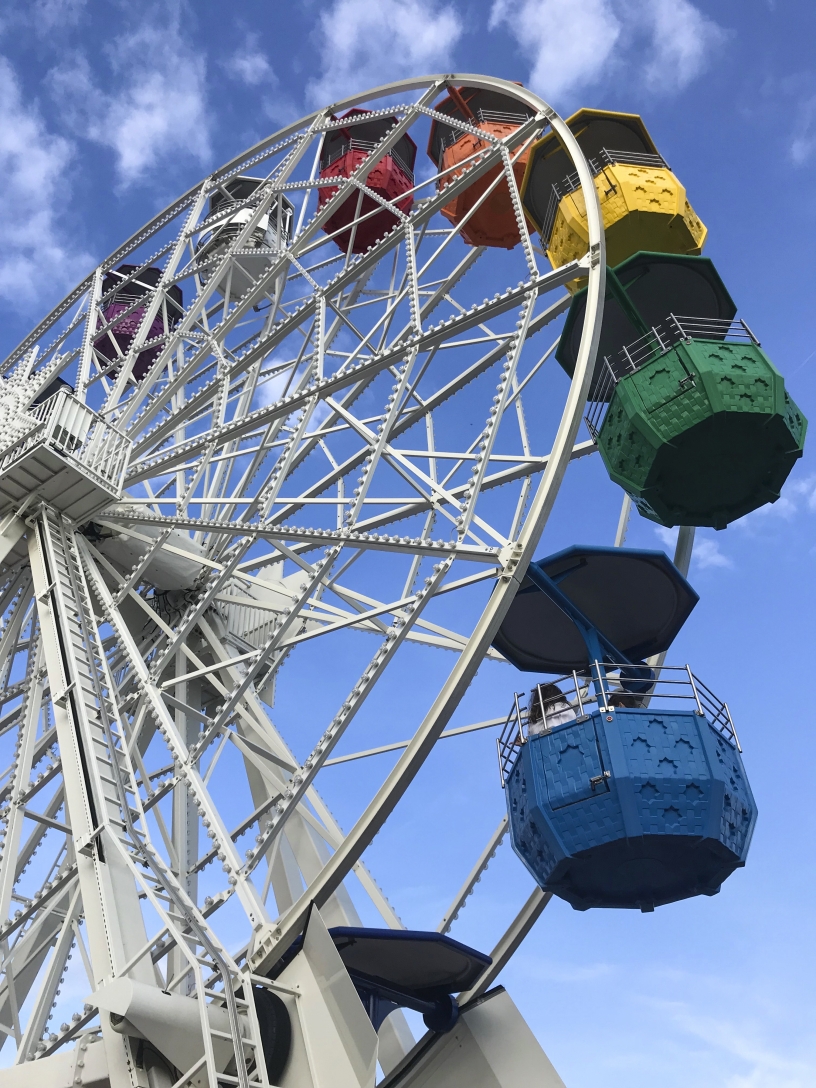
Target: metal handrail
600,397
606,157
659,340
339,150
486,117
75,431
601,684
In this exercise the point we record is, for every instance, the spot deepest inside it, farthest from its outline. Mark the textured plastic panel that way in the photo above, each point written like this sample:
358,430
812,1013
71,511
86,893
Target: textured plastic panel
673,818
495,223
386,179
703,434
570,768
644,208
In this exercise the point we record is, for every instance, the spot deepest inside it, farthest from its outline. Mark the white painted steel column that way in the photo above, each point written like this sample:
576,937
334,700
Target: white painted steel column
110,903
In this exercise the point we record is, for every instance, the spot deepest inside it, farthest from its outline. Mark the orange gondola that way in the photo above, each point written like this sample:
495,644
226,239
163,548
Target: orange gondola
494,223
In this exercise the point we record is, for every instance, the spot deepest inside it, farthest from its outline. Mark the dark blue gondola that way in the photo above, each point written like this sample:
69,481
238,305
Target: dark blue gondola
624,782
404,968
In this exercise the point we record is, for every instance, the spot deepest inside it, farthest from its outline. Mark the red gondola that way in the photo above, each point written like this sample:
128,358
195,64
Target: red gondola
344,150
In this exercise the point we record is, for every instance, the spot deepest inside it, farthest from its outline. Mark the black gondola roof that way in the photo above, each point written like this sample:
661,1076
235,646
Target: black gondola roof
475,99
638,599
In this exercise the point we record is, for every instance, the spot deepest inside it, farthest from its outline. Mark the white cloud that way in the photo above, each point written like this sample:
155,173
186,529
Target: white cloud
803,491
668,537
567,43
682,39
362,45
249,65
799,494
37,260
766,1066
572,45
159,109
803,143
45,15
706,552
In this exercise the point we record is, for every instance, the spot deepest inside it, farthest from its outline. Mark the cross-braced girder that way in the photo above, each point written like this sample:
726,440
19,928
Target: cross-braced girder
251,370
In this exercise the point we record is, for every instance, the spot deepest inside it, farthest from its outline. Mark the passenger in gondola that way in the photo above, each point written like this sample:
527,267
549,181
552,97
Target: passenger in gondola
548,709
636,684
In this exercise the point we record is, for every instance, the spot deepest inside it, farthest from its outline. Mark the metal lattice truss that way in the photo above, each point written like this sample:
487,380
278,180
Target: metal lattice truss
333,462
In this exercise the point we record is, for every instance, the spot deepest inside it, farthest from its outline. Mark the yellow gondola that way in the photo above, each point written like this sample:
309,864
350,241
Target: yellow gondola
644,205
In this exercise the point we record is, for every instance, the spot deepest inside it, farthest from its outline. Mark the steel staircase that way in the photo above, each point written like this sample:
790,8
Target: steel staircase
109,822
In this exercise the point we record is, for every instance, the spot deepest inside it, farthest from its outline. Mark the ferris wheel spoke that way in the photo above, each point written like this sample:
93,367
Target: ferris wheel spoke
288,342
498,479
396,635
416,413
476,315
165,429
461,897
412,546
53,975
229,322
167,725
266,800
476,369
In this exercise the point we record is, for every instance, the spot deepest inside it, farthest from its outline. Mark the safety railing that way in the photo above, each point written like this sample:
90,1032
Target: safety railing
608,157
502,117
606,687
337,151
279,219
75,431
659,340
482,117
605,157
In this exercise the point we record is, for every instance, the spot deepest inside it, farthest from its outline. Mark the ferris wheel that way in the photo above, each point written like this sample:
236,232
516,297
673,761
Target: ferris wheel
312,404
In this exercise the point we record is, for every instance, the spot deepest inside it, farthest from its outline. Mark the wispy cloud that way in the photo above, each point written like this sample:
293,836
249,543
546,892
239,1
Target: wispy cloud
706,553
573,45
45,15
693,1024
250,65
552,970
683,41
799,495
567,44
803,143
159,110
37,259
787,100
361,44
765,1066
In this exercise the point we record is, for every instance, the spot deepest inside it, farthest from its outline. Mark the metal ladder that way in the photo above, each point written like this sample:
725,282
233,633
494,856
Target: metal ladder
116,812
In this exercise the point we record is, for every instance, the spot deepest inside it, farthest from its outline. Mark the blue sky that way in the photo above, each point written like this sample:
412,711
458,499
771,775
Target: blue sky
109,110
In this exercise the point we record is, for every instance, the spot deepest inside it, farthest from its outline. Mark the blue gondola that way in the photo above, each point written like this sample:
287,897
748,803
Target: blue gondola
624,781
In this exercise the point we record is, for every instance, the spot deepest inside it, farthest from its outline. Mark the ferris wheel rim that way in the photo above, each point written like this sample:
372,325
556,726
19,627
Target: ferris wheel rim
514,561
176,206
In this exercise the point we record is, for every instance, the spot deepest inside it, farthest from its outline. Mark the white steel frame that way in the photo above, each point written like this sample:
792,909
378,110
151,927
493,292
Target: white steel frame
303,399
